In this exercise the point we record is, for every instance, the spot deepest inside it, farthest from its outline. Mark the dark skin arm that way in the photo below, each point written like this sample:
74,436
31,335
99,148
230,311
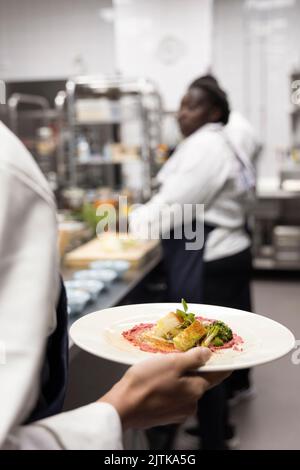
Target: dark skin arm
162,390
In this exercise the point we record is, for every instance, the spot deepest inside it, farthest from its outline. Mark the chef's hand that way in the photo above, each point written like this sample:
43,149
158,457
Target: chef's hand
162,390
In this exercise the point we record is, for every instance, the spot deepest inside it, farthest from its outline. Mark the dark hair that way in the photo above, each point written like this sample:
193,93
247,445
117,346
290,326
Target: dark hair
216,94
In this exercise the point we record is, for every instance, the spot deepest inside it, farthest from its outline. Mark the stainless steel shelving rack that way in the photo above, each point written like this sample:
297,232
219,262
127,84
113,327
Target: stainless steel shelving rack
276,243
276,210
27,112
149,110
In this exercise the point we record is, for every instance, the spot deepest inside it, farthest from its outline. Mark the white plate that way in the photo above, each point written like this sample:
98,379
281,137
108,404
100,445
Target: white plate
100,333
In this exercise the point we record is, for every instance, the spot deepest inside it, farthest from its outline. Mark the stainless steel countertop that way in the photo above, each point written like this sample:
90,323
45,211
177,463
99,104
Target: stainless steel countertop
269,188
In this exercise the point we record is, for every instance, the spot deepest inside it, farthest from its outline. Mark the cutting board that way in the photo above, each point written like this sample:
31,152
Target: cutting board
105,248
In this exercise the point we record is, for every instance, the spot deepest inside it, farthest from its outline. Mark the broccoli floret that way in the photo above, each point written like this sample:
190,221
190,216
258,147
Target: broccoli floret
217,342
225,333
217,331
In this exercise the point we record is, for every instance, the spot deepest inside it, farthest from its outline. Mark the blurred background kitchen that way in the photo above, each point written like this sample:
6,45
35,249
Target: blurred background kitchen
92,90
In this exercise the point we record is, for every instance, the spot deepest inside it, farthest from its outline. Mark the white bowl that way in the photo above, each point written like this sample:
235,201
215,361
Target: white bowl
105,275
118,265
91,286
77,300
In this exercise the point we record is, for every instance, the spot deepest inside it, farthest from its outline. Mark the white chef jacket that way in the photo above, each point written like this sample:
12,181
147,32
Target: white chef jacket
204,170
28,294
243,137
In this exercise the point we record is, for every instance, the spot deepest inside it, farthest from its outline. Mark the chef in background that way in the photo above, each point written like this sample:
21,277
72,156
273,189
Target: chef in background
227,280
156,392
208,169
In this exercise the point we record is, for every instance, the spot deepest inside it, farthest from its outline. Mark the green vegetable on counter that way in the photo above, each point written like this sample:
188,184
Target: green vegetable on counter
89,215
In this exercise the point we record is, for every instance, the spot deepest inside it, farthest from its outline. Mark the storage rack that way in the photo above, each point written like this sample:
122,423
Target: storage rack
277,212
26,113
148,112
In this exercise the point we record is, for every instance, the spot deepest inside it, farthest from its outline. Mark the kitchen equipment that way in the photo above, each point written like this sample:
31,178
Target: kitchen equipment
69,231
73,198
111,111
286,242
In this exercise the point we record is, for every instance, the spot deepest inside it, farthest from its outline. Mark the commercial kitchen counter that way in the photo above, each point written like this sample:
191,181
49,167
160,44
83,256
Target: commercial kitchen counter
269,188
276,211
118,291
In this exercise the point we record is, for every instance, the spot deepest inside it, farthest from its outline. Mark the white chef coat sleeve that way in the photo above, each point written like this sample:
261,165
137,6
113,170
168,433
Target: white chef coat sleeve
28,288
203,170
92,427
28,293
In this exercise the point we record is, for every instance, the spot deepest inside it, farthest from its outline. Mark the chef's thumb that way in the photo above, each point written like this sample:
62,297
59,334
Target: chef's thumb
193,359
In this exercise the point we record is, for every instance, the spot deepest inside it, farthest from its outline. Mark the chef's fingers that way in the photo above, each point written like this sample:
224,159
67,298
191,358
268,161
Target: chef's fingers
191,359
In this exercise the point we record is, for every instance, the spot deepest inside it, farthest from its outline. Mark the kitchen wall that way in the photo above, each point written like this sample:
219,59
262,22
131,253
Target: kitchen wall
252,46
255,49
43,39
168,41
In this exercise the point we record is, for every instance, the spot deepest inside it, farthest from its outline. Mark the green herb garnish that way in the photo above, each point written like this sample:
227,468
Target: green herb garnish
188,318
185,305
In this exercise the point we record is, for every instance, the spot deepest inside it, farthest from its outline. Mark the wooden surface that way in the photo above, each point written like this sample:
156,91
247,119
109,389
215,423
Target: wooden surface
104,248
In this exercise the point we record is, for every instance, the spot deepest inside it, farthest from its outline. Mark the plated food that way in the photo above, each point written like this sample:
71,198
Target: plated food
256,339
181,330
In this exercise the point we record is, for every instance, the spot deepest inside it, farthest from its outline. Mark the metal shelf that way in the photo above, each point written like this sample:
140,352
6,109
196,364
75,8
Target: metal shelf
104,162
38,114
271,264
104,122
148,112
98,123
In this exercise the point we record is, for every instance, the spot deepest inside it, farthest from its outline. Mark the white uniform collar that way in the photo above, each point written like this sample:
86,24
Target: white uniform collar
211,126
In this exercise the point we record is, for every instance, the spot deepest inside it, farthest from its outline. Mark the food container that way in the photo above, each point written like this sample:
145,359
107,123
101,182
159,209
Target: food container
69,231
77,300
90,286
73,198
119,266
107,276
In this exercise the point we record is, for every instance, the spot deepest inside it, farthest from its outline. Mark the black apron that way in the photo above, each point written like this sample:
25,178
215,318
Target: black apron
184,268
55,367
185,279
